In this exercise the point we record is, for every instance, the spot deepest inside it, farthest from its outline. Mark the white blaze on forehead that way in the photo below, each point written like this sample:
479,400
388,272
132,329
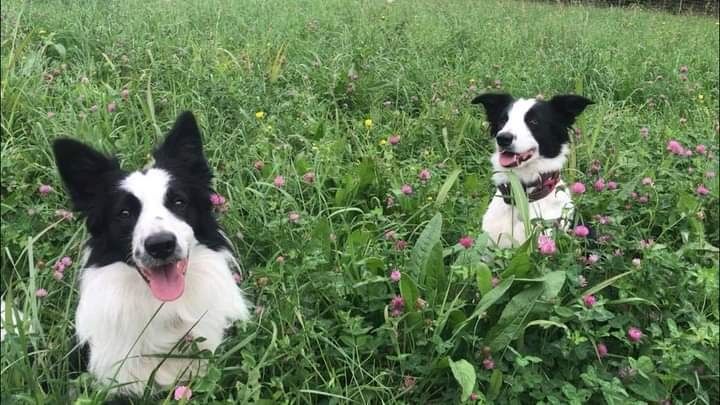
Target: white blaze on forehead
149,187
519,109
516,125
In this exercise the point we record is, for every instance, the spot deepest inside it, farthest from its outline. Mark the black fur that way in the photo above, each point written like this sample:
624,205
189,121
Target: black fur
496,109
93,179
549,121
182,156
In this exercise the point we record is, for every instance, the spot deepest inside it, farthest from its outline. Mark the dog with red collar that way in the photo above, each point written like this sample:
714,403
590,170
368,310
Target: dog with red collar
532,141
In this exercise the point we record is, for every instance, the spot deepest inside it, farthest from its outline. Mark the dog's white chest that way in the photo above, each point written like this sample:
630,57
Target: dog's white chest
129,336
503,222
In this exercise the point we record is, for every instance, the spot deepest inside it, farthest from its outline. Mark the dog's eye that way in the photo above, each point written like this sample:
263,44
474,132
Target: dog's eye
533,122
124,214
179,203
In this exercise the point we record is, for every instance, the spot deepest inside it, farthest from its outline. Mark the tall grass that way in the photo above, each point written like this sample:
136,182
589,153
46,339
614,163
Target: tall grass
319,70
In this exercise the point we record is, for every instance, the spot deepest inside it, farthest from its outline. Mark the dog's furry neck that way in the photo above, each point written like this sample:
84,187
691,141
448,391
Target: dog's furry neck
117,318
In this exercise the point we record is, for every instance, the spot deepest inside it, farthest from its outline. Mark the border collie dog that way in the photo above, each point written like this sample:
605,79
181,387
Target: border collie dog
157,267
532,138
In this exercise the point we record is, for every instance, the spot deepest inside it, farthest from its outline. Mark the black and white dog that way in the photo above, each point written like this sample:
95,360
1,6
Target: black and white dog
154,246
532,138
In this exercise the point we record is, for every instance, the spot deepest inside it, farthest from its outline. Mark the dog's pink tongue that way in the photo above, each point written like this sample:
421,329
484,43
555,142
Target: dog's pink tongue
508,159
167,283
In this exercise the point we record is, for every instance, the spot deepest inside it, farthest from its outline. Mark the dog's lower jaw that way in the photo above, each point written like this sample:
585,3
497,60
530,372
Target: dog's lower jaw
503,222
129,333
529,171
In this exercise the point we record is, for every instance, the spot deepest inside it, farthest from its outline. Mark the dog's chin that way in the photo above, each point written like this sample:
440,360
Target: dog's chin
166,281
512,160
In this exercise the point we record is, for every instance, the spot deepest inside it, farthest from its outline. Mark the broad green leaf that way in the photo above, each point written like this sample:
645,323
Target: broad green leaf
650,389
472,184
320,236
409,291
612,390
320,131
301,164
434,271
445,189
687,203
553,282
514,317
373,263
442,363
348,190
519,265
357,242
565,313
426,260
481,241
464,374
492,296
429,237
208,381
466,257
455,318
496,381
362,176
645,364
484,278
60,49
365,173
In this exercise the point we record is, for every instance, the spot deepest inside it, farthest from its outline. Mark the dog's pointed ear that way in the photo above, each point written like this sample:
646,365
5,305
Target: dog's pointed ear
183,139
494,103
182,150
82,169
570,105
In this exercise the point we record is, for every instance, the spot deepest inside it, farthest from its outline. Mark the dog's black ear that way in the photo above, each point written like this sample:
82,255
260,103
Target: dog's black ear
82,170
182,150
570,106
494,103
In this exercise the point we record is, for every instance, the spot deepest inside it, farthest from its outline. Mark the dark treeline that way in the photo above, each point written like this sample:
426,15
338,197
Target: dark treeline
709,7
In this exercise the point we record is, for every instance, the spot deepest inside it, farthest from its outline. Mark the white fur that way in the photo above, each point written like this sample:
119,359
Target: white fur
530,170
150,188
502,222
116,304
15,321
516,125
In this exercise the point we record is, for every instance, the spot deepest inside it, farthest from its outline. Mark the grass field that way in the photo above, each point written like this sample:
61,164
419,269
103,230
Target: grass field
319,87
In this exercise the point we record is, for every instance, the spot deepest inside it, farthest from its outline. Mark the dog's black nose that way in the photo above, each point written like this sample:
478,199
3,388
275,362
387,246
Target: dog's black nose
160,245
504,139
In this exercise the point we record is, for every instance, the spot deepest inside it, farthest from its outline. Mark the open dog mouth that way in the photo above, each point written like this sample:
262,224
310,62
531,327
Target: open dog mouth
167,281
510,159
